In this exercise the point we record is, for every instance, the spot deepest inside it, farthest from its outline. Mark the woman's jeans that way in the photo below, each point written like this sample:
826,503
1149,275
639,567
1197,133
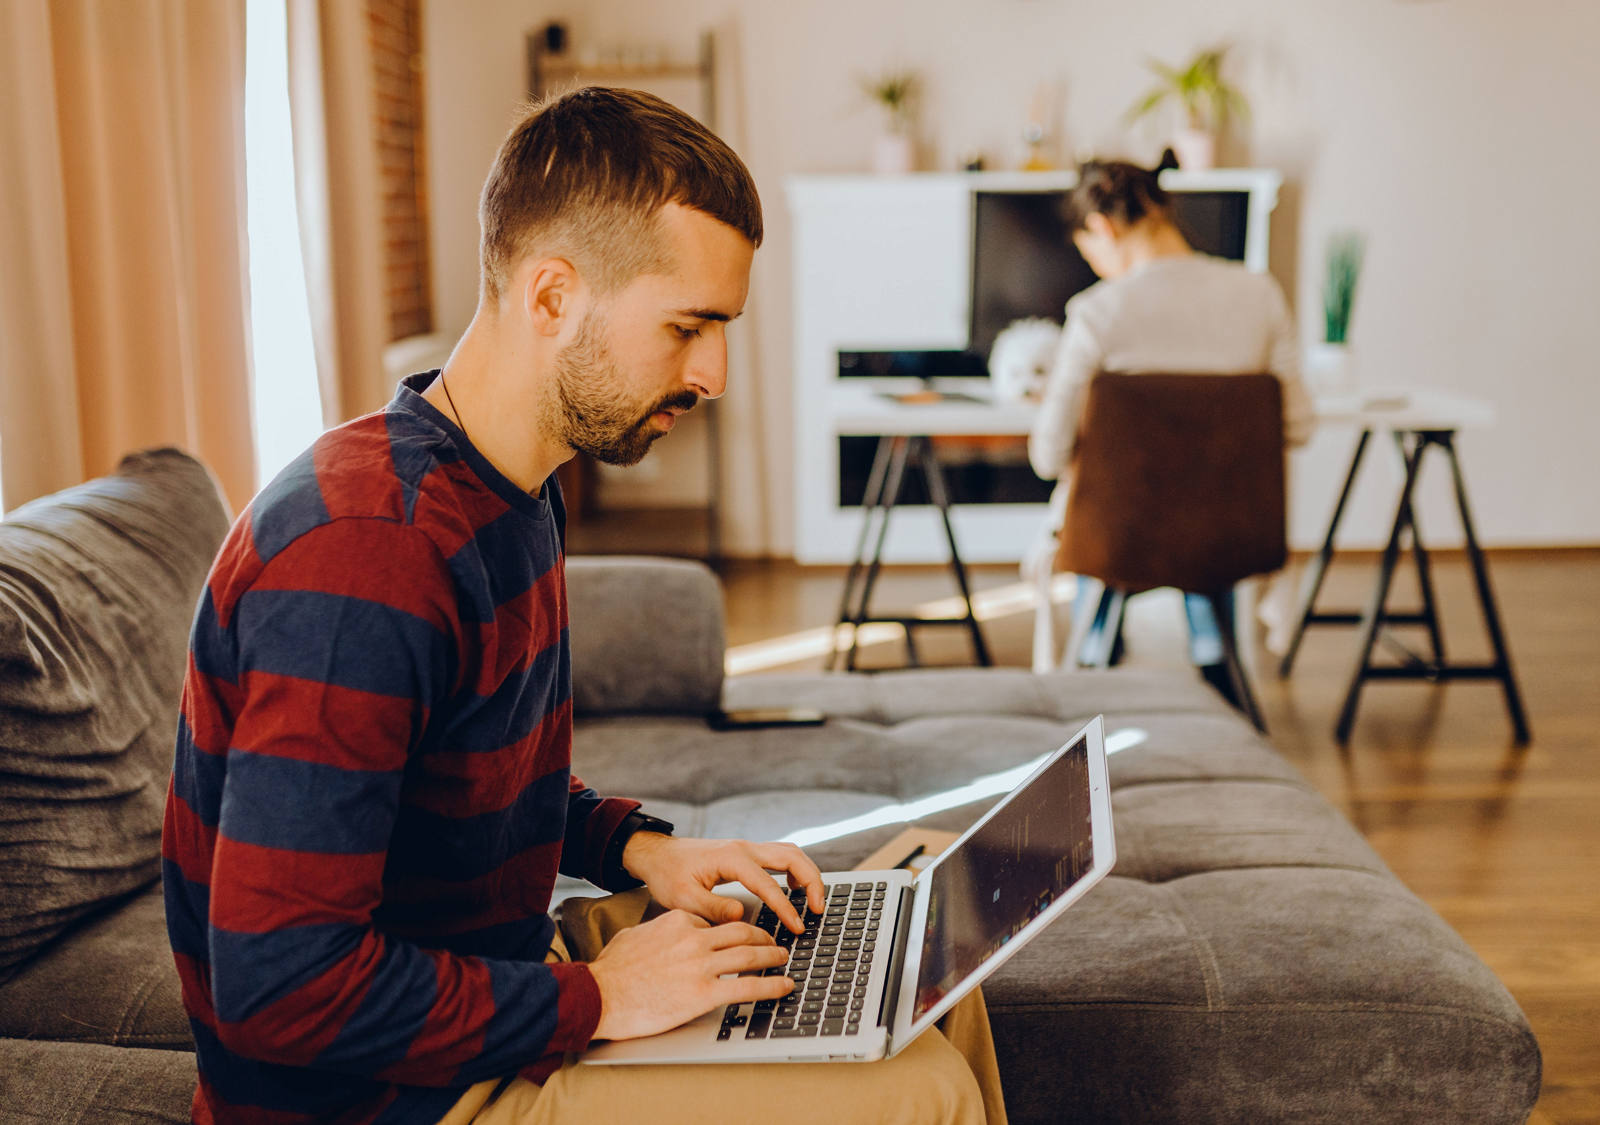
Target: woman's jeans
1205,637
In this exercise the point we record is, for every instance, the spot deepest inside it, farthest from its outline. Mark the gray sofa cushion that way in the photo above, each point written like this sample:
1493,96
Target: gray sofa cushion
97,588
110,981
1298,994
646,635
1250,958
52,1083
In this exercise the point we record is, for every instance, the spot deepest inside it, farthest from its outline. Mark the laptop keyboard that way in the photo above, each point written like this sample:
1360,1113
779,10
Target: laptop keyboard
830,964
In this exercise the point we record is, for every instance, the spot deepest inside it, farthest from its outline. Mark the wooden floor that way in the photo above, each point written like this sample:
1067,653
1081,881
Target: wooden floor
1504,843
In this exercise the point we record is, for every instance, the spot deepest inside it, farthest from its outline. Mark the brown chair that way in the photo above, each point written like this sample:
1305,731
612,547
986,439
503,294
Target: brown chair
1177,480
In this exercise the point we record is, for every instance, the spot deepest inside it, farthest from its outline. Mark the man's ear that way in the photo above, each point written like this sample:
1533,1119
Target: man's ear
551,294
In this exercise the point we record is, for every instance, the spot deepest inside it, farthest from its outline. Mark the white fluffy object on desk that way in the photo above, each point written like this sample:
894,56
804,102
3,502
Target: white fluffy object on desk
1022,356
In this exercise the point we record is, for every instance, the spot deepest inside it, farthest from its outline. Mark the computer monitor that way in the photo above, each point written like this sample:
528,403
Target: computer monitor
1025,265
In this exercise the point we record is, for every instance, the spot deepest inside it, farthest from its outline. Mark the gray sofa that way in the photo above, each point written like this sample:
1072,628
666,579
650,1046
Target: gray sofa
1251,959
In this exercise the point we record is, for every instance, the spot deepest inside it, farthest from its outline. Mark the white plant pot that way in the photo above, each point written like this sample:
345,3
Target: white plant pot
1196,149
1330,369
893,154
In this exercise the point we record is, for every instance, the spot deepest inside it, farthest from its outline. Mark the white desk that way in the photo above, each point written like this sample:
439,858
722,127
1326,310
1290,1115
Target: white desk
1404,409
866,410
1417,419
1003,532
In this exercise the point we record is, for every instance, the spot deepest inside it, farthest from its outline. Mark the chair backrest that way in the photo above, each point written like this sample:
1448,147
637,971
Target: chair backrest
1177,480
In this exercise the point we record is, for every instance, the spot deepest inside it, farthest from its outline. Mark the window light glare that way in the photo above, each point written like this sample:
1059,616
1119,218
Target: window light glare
989,785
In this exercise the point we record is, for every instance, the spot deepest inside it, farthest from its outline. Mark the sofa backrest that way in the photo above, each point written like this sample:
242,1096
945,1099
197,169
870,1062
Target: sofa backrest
98,586
647,635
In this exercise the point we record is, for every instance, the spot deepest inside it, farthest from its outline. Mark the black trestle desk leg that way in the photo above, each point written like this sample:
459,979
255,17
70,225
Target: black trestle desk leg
913,659
1312,584
869,506
891,496
1491,614
1419,555
1372,620
934,475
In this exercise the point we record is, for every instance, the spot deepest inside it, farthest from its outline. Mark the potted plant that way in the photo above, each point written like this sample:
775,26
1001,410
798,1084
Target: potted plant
1207,100
1330,364
896,91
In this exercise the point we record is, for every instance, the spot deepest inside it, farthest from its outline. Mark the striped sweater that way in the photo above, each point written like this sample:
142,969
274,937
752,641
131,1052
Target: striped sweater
372,795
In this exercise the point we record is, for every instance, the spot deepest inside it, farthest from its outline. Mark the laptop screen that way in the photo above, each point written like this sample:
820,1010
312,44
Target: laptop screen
1027,855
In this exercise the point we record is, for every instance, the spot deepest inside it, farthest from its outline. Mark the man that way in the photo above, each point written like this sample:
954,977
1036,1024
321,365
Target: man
371,796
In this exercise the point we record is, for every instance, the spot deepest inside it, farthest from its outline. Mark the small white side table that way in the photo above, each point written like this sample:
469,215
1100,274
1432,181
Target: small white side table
1417,420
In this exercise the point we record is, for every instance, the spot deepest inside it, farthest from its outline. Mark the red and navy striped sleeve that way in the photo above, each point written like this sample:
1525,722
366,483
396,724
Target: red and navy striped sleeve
345,645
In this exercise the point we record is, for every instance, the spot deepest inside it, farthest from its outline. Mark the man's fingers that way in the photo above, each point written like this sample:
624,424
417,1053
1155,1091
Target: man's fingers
731,934
742,990
764,887
743,958
802,872
816,893
711,909
688,916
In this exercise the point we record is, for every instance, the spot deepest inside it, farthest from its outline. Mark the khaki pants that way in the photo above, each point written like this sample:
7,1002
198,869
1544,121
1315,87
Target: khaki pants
947,1076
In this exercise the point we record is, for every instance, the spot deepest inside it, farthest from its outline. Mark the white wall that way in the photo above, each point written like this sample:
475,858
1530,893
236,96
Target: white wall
1458,134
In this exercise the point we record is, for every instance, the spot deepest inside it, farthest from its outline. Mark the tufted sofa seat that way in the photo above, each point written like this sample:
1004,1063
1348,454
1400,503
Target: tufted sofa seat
1249,959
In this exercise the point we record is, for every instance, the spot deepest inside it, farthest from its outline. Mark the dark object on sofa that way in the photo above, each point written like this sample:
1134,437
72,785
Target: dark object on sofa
1250,959
1178,480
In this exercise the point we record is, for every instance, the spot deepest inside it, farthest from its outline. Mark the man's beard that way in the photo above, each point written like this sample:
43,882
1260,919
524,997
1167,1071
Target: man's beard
592,420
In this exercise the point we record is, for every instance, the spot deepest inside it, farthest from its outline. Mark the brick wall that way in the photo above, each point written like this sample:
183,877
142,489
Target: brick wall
395,30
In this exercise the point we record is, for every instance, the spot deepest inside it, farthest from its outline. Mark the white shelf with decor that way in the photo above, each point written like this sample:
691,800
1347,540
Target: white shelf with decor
885,264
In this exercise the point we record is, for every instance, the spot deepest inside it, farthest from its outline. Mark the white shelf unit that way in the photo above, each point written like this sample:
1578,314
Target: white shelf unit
884,263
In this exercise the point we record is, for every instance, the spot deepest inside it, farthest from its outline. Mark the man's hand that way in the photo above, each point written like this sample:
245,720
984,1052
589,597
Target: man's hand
681,872
664,972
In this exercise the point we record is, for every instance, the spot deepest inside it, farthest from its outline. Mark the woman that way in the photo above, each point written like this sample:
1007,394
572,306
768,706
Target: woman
1159,307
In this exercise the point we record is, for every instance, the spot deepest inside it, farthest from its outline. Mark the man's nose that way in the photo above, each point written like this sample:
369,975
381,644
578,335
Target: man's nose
707,373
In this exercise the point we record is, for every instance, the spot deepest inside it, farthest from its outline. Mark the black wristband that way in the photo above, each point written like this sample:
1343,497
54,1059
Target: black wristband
614,876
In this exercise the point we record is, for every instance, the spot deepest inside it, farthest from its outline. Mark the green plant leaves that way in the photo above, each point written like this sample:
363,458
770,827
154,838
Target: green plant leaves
895,91
1346,252
1148,103
1206,97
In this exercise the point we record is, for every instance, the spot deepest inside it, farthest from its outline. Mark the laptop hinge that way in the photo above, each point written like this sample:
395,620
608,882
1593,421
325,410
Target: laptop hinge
897,960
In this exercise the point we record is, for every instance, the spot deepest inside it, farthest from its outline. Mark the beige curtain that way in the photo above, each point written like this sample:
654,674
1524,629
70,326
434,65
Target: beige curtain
338,193
123,294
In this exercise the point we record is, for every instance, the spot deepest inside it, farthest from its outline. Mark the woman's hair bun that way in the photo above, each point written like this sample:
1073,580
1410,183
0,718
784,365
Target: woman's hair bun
1117,189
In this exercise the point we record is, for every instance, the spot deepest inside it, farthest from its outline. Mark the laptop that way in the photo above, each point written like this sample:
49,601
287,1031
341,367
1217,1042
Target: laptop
894,952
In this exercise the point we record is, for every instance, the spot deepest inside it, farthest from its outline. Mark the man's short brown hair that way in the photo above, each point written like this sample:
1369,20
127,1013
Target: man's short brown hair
583,176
